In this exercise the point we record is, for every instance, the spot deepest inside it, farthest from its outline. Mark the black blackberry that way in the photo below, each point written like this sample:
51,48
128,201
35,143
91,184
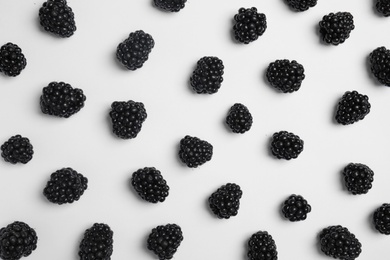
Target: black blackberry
164,240
225,202
285,75
249,25
12,60
336,27
380,65
65,186
134,51
381,219
239,119
170,5
127,118
352,107
261,246
207,76
17,240
285,145
338,242
358,178
383,7
17,149
301,5
97,243
194,151
61,99
150,184
57,17
295,208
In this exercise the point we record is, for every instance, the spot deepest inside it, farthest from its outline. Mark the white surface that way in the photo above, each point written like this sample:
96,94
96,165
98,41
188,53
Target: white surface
85,142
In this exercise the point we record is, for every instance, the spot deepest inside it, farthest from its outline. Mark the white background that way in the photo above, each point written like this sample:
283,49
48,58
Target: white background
203,28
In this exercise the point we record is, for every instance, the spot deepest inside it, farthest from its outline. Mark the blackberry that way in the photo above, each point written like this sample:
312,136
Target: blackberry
12,60
17,240
57,17
380,65
97,243
261,246
301,5
134,51
127,118
65,186
207,76
17,149
61,99
150,184
381,219
285,145
225,202
285,75
239,119
170,5
383,7
164,240
249,25
295,208
194,151
352,108
335,28
338,242
358,178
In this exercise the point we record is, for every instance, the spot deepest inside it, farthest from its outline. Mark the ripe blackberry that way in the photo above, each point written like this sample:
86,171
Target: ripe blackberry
225,202
358,178
381,219
239,119
207,76
170,5
61,99
285,75
17,149
57,17
380,65
12,60
127,118
295,208
285,145
97,243
150,184
65,186
301,5
383,7
134,51
194,151
336,27
352,107
261,246
164,240
338,242
249,25
17,240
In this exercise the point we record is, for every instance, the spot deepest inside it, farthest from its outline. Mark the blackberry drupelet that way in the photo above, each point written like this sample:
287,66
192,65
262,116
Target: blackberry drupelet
61,99
194,151
358,178
97,243
17,149
65,186
225,202
134,51
57,17
164,240
285,145
301,5
338,242
239,119
295,208
207,76
380,65
127,118
381,219
150,184
249,25
170,5
17,240
285,75
335,28
383,7
12,60
261,246
352,108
